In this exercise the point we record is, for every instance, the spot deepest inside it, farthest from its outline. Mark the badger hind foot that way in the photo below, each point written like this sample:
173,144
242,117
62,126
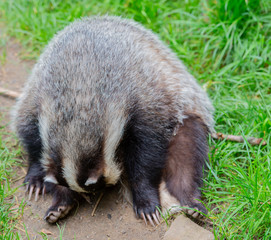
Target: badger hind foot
64,200
171,205
34,181
193,213
182,178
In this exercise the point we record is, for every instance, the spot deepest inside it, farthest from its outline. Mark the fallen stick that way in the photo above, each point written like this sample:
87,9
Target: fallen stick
234,138
9,93
17,179
97,203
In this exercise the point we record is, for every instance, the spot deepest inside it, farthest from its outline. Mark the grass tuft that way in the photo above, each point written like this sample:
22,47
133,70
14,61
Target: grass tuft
10,210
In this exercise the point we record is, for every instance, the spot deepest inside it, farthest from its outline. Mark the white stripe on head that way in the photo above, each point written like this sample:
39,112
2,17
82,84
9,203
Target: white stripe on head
113,135
69,173
69,166
43,128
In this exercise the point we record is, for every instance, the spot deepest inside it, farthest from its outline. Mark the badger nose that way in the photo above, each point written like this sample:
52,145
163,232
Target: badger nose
91,180
50,178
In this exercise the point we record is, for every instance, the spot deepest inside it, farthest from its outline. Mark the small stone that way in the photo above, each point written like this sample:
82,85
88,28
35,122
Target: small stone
184,229
109,216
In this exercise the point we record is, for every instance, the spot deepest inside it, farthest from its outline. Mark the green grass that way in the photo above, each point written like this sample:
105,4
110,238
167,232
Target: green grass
226,44
10,210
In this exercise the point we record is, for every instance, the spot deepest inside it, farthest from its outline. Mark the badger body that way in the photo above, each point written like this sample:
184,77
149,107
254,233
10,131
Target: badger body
108,99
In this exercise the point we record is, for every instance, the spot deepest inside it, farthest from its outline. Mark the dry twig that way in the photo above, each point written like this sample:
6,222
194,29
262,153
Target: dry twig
9,93
97,203
234,138
17,179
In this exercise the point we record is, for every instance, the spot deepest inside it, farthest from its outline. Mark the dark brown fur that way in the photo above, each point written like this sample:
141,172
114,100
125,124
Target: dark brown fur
187,153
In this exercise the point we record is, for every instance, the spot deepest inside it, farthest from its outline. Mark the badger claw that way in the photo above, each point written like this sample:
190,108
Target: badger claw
196,215
43,191
155,219
34,184
32,189
150,220
30,192
37,194
195,212
157,215
143,216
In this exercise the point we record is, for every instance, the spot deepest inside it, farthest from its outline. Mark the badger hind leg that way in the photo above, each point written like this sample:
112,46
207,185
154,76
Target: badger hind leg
64,200
182,178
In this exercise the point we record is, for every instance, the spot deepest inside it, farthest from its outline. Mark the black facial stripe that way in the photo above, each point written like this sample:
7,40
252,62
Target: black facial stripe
90,164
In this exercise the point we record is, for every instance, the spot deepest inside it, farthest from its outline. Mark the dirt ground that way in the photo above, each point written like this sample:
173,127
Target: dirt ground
113,219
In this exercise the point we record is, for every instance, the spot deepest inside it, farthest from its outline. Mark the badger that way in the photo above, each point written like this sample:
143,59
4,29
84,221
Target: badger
108,100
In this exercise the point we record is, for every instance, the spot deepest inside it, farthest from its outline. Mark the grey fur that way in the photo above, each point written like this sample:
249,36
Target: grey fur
91,74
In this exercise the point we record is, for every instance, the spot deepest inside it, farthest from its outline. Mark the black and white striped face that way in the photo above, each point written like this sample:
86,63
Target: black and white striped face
79,145
79,167
84,180
92,184
84,174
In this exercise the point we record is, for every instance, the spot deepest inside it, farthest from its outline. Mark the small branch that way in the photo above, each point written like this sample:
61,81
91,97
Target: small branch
97,203
9,93
251,140
17,179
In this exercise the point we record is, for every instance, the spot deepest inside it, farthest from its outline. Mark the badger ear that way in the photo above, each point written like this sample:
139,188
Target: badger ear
91,180
50,178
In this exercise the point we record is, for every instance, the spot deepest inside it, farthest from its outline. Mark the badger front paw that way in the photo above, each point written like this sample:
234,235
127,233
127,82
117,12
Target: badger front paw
64,200
34,182
55,212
